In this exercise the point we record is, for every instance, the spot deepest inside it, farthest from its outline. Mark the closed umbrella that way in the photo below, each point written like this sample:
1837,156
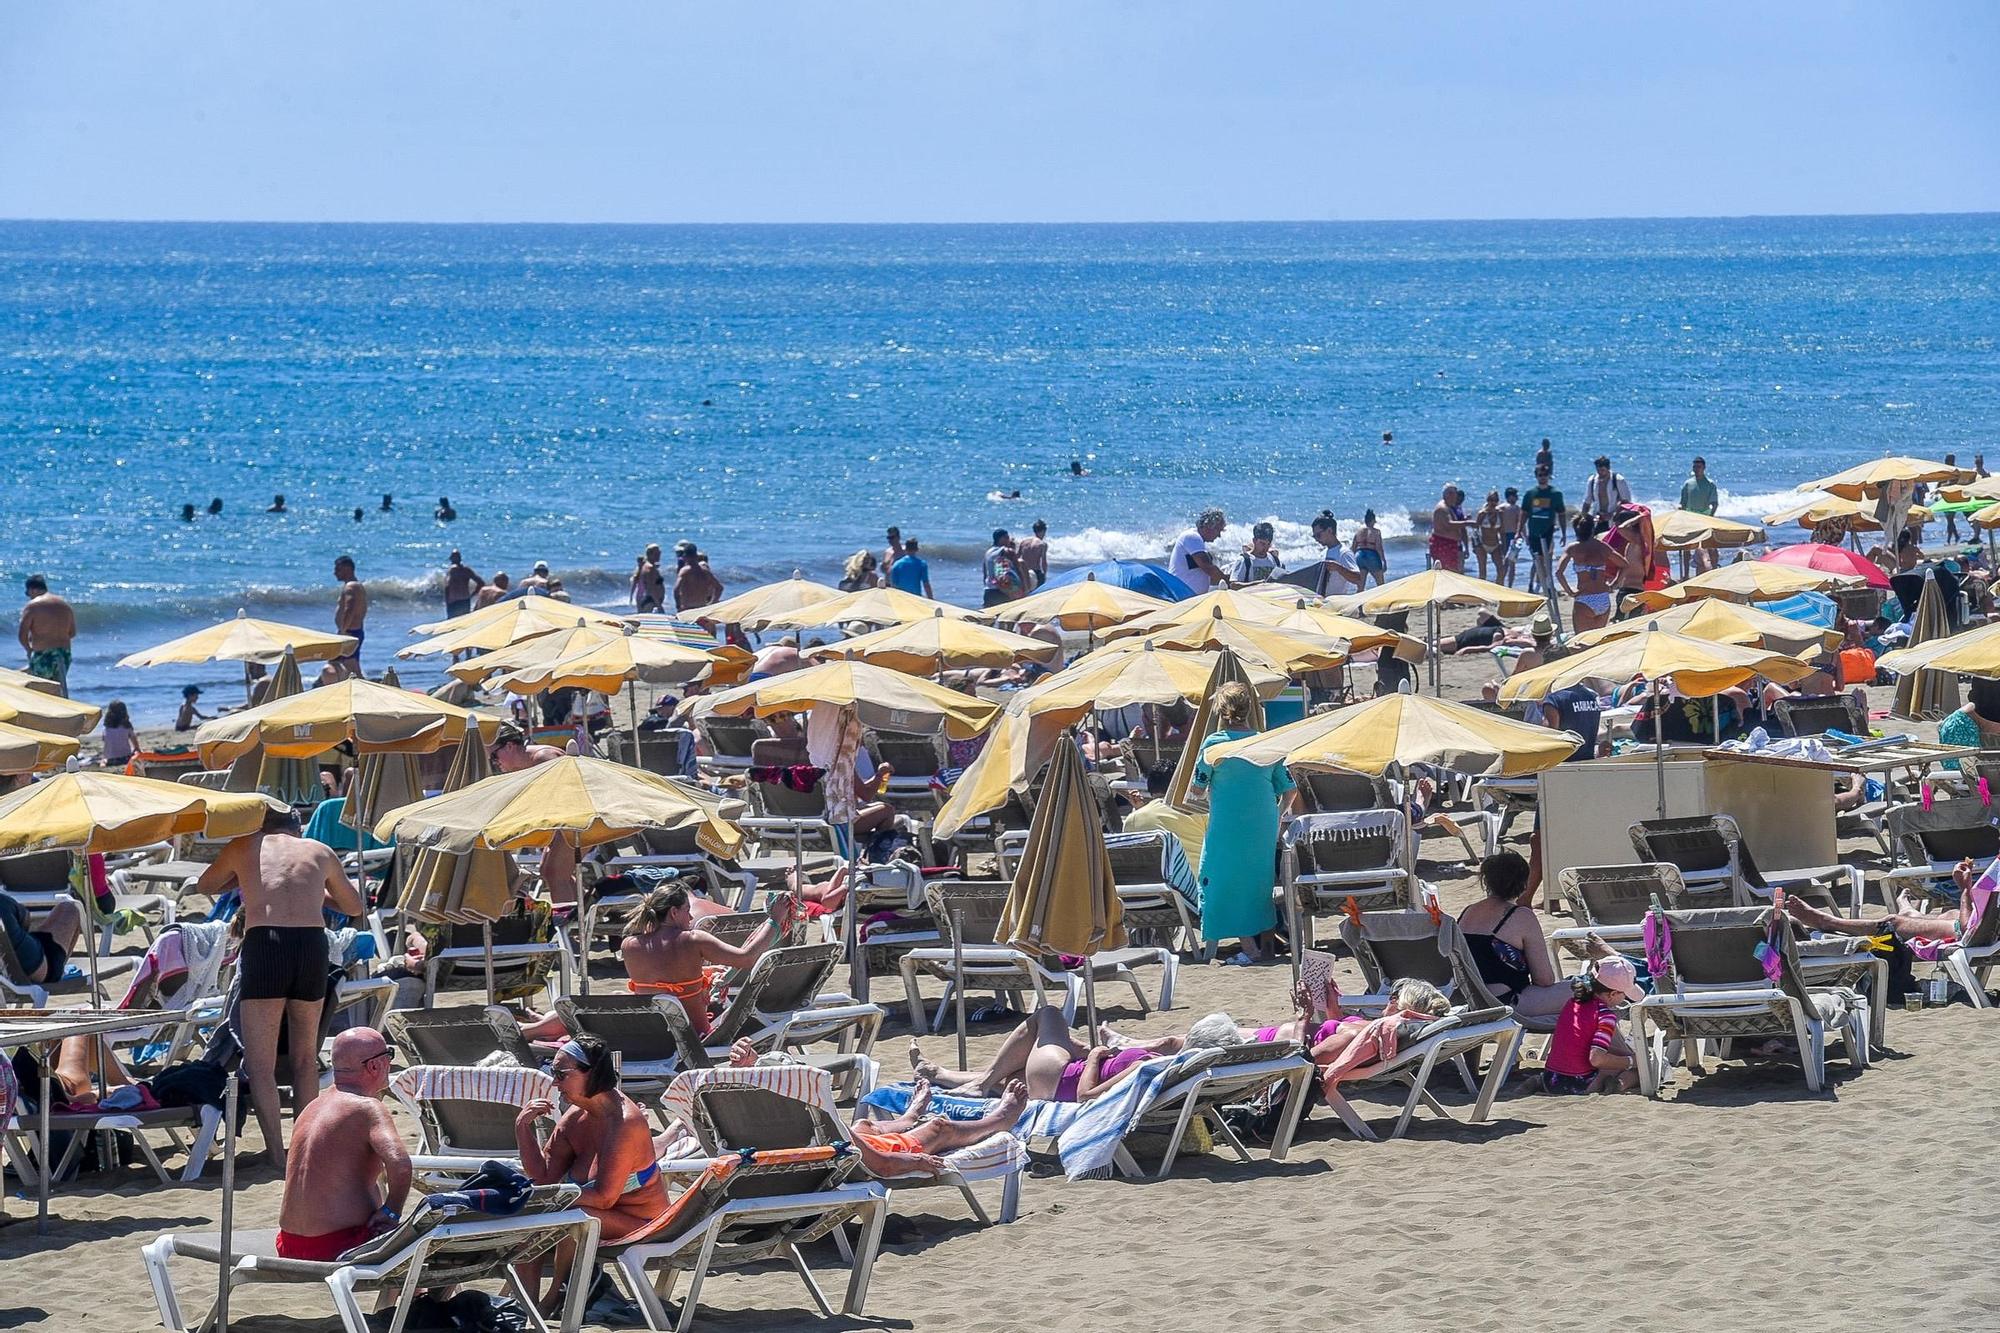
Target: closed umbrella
24,750
1432,589
457,888
46,712
1064,900
294,781
1228,670
1927,693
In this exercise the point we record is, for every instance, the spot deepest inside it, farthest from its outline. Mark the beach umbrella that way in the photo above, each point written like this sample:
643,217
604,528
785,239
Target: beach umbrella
503,623
46,712
1433,589
1698,668
1979,488
869,606
786,595
368,715
1927,693
538,649
22,679
1745,581
1229,603
880,698
1063,899
1359,635
459,888
1865,481
1973,653
1287,652
595,660
1086,604
1398,732
1718,621
1132,575
939,644
24,750
245,640
1228,670
1683,529
1854,515
294,781
1827,559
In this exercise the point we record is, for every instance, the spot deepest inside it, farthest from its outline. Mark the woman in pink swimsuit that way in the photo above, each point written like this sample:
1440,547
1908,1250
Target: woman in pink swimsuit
1055,1066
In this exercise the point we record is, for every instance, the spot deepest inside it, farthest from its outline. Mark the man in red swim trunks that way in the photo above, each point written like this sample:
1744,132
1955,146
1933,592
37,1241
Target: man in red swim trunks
348,1173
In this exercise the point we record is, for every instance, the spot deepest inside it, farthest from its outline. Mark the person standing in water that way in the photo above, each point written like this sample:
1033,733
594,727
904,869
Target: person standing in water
350,613
47,631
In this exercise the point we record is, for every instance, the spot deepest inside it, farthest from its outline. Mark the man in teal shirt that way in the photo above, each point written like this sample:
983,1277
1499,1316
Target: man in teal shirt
1698,493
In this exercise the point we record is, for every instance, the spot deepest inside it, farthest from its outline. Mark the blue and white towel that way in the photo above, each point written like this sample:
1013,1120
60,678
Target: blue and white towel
1175,872
1042,1120
1087,1146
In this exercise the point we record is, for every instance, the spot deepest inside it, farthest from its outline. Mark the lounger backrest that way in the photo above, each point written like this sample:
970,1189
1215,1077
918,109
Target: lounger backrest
636,1026
1332,790
459,1036
782,981
911,754
977,907
471,1258
1815,715
778,801
657,751
1397,945
744,1117
1251,1053
1718,947
35,872
1135,858
731,737
1620,895
666,842
1349,840
1694,845
1149,753
469,1110
1946,833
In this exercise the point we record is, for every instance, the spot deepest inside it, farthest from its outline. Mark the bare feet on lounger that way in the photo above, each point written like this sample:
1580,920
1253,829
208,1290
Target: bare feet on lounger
925,1069
1013,1098
920,1098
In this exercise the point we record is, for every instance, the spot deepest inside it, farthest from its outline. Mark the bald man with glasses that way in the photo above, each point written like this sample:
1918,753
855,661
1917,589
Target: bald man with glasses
348,1173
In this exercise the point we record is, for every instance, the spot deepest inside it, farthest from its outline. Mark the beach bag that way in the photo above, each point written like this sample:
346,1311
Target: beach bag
1857,667
195,1083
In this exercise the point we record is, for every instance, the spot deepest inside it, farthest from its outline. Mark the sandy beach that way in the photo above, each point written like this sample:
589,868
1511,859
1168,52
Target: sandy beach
1738,1200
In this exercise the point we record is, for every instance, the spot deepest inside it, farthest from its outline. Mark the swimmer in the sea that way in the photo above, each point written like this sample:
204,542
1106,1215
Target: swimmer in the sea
388,503
1076,468
277,505
215,505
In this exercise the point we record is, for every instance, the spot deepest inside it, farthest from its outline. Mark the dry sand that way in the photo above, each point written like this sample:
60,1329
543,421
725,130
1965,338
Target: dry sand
1738,1201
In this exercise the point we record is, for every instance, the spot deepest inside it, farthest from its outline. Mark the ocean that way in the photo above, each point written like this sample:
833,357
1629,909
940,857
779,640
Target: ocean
781,394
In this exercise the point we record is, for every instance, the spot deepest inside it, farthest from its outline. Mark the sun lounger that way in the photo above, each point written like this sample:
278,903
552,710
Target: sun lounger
431,1248
1710,852
465,1115
1202,1082
1713,988
747,1209
460,1035
1327,859
1450,1040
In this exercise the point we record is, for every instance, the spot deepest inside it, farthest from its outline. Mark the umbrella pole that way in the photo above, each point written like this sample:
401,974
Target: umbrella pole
857,962
48,1055
583,920
1659,748
229,1095
486,940
1431,625
958,980
1090,997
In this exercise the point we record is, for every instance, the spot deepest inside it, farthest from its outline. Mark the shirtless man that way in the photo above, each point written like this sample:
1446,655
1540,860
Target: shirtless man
492,592
1032,555
695,584
649,586
349,1173
48,628
285,881
350,613
510,754
461,585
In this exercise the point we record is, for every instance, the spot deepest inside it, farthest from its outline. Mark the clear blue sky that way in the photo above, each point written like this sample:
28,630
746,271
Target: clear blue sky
767,110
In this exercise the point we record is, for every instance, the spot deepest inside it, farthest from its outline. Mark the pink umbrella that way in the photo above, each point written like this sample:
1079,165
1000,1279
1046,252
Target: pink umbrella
1828,559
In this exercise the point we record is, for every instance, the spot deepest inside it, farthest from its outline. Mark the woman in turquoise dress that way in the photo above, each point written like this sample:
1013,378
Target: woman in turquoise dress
1239,856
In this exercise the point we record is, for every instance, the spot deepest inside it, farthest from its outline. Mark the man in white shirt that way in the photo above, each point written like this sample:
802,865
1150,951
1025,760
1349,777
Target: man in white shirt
1604,490
1191,562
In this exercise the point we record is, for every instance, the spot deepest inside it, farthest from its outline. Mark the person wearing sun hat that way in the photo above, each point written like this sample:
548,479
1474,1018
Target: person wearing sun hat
1588,1052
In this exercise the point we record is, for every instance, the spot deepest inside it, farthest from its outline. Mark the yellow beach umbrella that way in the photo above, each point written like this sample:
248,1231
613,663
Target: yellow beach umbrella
786,595
1859,515
39,684
937,645
1983,488
1064,899
1718,621
880,698
1359,635
1697,667
244,639
578,799
1088,605
1433,589
46,712
1865,480
587,657
505,623
870,606
1287,652
1973,653
373,717
110,812
1229,603
1114,677
1683,529
1746,581
1988,517
24,750
1397,732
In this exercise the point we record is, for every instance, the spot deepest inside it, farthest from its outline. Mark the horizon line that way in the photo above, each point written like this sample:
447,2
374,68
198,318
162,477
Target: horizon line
1041,222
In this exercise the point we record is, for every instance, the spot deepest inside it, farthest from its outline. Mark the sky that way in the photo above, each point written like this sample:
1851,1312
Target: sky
1016,110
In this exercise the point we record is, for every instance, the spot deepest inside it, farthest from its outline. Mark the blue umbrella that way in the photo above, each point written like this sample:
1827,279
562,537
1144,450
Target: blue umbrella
1811,608
1137,575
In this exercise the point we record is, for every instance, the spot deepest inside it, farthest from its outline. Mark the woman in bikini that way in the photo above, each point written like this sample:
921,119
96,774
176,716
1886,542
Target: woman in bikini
602,1143
1052,1064
1505,938
1597,568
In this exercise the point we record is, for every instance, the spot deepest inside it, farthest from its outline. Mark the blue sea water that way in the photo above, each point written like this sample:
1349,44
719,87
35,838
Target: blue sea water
781,394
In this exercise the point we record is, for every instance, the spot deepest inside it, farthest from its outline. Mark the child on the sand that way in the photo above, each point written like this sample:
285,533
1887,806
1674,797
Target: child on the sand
1588,1052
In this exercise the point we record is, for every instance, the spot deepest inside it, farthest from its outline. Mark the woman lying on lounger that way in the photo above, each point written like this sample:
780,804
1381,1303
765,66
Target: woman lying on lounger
1052,1064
